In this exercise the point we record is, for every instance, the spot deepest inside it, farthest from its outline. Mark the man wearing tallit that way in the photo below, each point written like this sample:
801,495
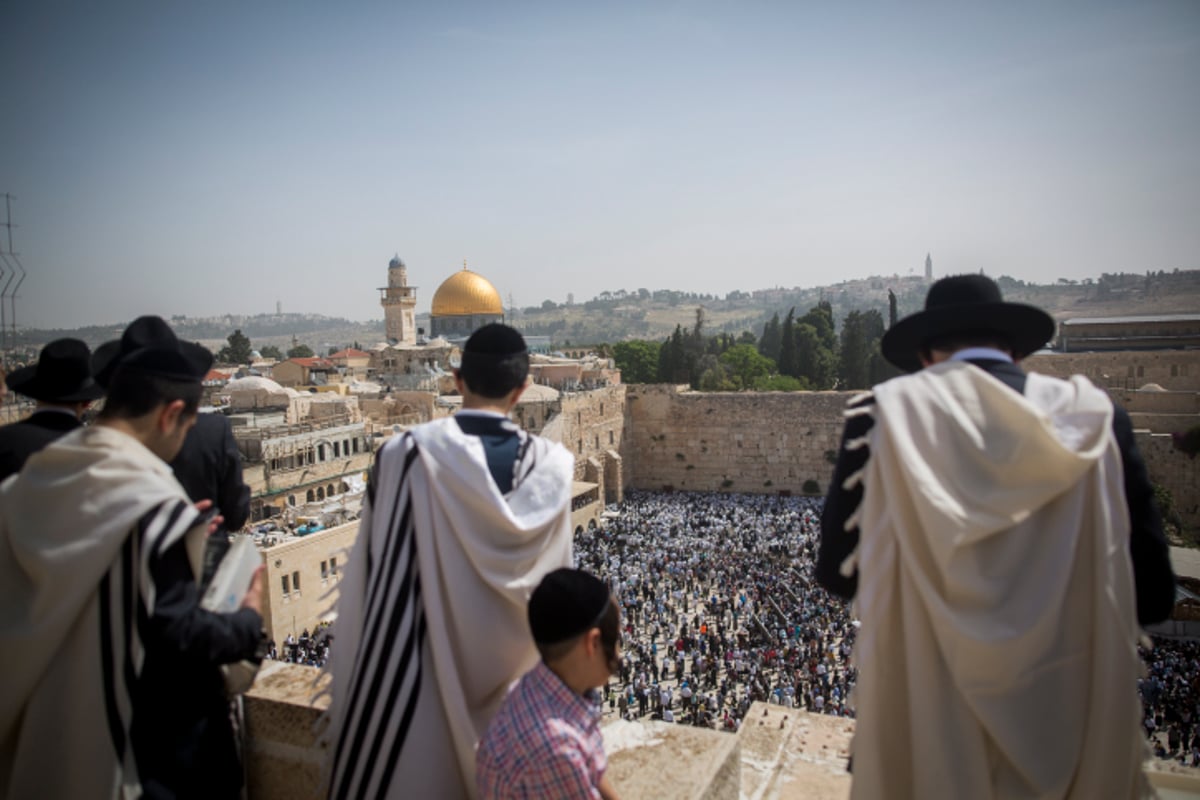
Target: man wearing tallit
998,534
464,516
112,670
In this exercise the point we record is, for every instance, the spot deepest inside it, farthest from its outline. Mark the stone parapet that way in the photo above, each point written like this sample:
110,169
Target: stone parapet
778,754
672,762
283,761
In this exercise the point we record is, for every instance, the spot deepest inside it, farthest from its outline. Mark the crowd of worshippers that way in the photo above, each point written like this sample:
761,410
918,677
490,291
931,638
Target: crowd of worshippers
309,649
719,608
1170,691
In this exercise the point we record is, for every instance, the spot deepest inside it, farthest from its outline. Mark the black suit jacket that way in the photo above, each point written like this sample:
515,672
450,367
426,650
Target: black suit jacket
1153,577
20,440
209,467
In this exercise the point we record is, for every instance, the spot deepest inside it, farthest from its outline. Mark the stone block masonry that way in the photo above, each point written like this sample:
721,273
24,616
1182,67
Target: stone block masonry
761,442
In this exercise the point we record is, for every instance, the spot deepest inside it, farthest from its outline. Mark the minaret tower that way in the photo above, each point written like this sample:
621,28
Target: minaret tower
928,267
399,301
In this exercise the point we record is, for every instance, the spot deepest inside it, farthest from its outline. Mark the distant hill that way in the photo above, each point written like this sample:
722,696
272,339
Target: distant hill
643,314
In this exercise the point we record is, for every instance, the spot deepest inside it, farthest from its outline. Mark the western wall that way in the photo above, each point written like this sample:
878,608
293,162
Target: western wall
759,442
766,442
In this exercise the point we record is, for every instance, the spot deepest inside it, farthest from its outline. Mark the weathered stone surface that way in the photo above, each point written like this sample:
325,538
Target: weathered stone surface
282,759
671,762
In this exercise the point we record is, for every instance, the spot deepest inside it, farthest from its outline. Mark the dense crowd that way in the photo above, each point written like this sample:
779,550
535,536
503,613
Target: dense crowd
1169,692
720,609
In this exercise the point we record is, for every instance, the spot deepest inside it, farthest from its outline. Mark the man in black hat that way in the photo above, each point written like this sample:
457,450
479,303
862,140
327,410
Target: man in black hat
464,515
998,533
61,382
545,741
113,685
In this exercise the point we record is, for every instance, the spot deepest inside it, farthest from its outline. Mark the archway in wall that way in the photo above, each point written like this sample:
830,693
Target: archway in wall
320,492
292,500
311,496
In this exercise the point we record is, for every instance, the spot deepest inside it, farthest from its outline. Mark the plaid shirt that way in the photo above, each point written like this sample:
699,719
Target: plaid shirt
544,742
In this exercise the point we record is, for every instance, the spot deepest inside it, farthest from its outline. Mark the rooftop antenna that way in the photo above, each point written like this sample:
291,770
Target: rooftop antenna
16,274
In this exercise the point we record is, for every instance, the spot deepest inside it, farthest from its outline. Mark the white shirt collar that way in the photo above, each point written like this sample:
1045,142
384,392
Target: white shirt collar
981,354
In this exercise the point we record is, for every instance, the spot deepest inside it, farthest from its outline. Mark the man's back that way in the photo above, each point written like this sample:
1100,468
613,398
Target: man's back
20,440
444,563
995,592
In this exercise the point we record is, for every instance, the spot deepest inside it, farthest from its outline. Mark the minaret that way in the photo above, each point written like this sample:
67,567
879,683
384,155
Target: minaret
928,267
399,301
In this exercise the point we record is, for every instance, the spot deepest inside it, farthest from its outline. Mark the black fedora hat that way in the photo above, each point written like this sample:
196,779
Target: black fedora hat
149,345
966,304
61,375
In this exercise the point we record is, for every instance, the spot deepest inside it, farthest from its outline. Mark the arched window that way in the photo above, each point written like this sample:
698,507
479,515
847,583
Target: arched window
291,500
320,492
311,497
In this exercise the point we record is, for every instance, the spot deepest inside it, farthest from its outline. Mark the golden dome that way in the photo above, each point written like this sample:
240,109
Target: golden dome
466,292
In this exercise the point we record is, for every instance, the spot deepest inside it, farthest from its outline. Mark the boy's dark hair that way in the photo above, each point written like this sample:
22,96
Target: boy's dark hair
494,361
609,624
134,392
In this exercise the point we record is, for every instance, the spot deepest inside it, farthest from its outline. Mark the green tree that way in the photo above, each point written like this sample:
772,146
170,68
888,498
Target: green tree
300,351
746,365
816,364
860,361
788,363
237,351
637,360
779,383
768,345
672,359
271,351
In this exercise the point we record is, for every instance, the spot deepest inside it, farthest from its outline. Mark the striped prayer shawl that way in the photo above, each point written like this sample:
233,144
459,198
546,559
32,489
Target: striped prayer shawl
389,652
430,629
79,526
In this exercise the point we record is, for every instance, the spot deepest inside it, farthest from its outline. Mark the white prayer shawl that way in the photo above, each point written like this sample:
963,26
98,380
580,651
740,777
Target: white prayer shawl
455,626
71,579
997,653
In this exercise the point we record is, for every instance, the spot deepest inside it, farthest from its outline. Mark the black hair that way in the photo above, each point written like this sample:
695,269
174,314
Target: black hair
493,376
609,624
133,393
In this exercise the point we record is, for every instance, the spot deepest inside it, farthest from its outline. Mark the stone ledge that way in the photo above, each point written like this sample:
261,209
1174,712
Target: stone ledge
667,761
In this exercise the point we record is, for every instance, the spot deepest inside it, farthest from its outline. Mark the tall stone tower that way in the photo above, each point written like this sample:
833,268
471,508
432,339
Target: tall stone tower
928,267
399,301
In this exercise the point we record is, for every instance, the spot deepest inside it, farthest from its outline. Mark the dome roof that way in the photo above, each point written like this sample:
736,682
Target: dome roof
253,383
466,292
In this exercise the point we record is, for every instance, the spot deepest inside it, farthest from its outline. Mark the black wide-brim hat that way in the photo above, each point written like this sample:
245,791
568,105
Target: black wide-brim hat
150,346
966,304
61,375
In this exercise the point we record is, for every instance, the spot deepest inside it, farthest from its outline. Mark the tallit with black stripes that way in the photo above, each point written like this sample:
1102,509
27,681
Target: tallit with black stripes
77,529
431,628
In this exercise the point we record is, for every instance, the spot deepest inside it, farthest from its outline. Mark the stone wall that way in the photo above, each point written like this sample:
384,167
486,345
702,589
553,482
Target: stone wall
738,442
1177,370
777,441
592,425
1174,471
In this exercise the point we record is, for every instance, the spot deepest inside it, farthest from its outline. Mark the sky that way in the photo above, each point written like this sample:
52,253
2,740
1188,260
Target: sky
200,158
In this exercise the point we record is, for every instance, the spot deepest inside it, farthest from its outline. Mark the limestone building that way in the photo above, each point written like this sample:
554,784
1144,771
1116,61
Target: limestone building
463,303
399,301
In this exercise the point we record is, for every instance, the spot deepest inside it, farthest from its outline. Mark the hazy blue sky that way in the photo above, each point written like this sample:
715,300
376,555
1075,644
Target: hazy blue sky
188,157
